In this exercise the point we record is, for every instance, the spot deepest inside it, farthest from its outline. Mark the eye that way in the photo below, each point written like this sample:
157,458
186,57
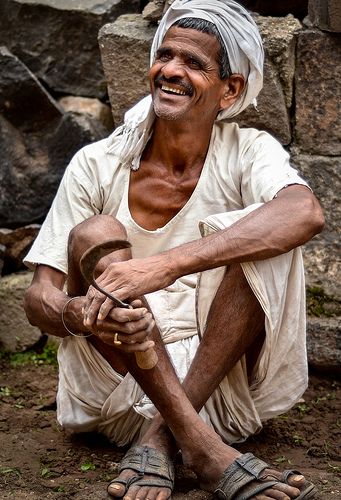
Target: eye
194,63
163,55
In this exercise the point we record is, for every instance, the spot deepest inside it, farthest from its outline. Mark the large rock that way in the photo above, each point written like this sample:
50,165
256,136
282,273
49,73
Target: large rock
37,140
16,334
17,243
322,254
128,82
325,14
127,77
324,344
57,40
318,93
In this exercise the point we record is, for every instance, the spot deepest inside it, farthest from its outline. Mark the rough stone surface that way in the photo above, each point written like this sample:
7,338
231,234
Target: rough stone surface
153,11
271,113
325,14
324,344
57,40
127,77
37,140
88,106
2,257
322,254
16,334
128,82
318,93
275,100
17,243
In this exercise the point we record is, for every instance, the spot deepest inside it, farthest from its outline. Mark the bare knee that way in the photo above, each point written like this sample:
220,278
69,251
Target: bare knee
93,231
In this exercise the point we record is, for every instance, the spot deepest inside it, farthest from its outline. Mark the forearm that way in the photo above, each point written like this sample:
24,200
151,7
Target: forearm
269,231
44,306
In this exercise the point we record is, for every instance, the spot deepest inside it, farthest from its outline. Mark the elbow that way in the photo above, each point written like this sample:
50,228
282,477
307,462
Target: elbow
28,306
314,216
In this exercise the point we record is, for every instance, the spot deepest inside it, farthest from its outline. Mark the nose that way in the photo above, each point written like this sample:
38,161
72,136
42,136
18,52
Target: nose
173,68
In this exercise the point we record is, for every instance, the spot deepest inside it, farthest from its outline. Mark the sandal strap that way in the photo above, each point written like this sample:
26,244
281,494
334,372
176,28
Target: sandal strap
243,471
162,482
145,460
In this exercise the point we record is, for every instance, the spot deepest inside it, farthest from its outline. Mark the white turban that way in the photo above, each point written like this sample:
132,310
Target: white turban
239,33
244,48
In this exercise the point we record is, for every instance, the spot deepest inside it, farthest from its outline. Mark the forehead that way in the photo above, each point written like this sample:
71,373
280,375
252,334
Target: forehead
188,40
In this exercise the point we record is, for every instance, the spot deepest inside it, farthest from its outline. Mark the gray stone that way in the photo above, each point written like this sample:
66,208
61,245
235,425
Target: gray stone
57,40
2,257
318,93
127,77
17,243
324,344
37,140
89,106
324,176
325,14
279,37
322,254
271,113
16,334
153,11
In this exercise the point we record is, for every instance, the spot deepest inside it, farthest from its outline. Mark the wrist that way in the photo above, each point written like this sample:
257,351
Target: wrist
72,317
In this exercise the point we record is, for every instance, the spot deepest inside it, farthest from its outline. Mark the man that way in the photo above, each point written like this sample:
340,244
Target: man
239,288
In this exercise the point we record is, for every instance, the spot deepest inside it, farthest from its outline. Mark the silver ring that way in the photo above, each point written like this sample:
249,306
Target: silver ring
116,341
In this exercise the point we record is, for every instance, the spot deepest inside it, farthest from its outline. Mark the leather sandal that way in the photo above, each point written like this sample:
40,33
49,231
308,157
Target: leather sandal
243,480
145,460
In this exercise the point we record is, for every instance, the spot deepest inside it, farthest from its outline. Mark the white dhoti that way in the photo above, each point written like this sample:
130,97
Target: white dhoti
93,397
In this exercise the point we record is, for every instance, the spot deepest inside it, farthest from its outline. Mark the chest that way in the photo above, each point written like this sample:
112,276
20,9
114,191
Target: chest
155,197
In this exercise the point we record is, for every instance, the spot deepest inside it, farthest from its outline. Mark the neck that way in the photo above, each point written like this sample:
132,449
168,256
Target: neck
178,146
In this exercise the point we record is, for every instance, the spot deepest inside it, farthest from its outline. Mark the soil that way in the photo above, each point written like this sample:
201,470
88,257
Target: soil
40,461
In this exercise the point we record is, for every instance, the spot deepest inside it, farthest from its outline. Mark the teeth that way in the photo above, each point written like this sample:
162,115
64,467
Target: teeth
175,91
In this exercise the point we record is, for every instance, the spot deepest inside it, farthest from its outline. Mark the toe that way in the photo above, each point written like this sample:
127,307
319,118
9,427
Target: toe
116,489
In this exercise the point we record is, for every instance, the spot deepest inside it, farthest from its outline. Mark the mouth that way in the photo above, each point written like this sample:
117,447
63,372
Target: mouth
173,90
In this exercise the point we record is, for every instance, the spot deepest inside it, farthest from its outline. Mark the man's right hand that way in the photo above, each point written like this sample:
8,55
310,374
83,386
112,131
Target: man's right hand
132,326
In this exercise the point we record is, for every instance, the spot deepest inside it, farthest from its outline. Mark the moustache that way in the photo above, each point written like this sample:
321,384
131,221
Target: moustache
186,87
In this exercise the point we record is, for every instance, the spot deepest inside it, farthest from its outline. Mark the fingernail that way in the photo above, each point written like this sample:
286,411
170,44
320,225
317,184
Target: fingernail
144,311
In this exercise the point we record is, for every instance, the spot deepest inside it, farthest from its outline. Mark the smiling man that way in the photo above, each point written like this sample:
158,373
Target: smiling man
215,215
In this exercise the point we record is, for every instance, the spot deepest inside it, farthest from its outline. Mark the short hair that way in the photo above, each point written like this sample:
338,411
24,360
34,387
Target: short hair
211,29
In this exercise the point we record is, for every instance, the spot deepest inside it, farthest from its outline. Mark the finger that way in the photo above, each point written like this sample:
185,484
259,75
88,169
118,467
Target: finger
122,315
138,347
137,303
105,308
130,328
109,338
91,311
135,338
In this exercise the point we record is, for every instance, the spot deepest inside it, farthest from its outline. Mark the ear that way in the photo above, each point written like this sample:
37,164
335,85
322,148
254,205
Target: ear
233,88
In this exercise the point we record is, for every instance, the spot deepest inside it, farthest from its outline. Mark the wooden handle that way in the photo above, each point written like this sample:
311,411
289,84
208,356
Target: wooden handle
146,360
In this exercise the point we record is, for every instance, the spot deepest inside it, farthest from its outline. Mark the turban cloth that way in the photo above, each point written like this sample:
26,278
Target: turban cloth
244,48
239,33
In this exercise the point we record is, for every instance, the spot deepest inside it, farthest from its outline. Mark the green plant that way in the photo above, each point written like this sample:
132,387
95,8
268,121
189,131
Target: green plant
47,357
298,439
88,466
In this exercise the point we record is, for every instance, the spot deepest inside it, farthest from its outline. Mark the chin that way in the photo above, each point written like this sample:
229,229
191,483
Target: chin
167,113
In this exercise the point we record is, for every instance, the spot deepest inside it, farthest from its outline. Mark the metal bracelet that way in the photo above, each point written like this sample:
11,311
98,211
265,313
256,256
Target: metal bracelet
63,321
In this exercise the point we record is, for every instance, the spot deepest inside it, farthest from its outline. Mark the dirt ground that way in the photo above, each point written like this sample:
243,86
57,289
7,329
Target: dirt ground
39,461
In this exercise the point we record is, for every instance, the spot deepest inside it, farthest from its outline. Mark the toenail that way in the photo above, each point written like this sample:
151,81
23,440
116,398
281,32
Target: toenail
115,486
298,478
